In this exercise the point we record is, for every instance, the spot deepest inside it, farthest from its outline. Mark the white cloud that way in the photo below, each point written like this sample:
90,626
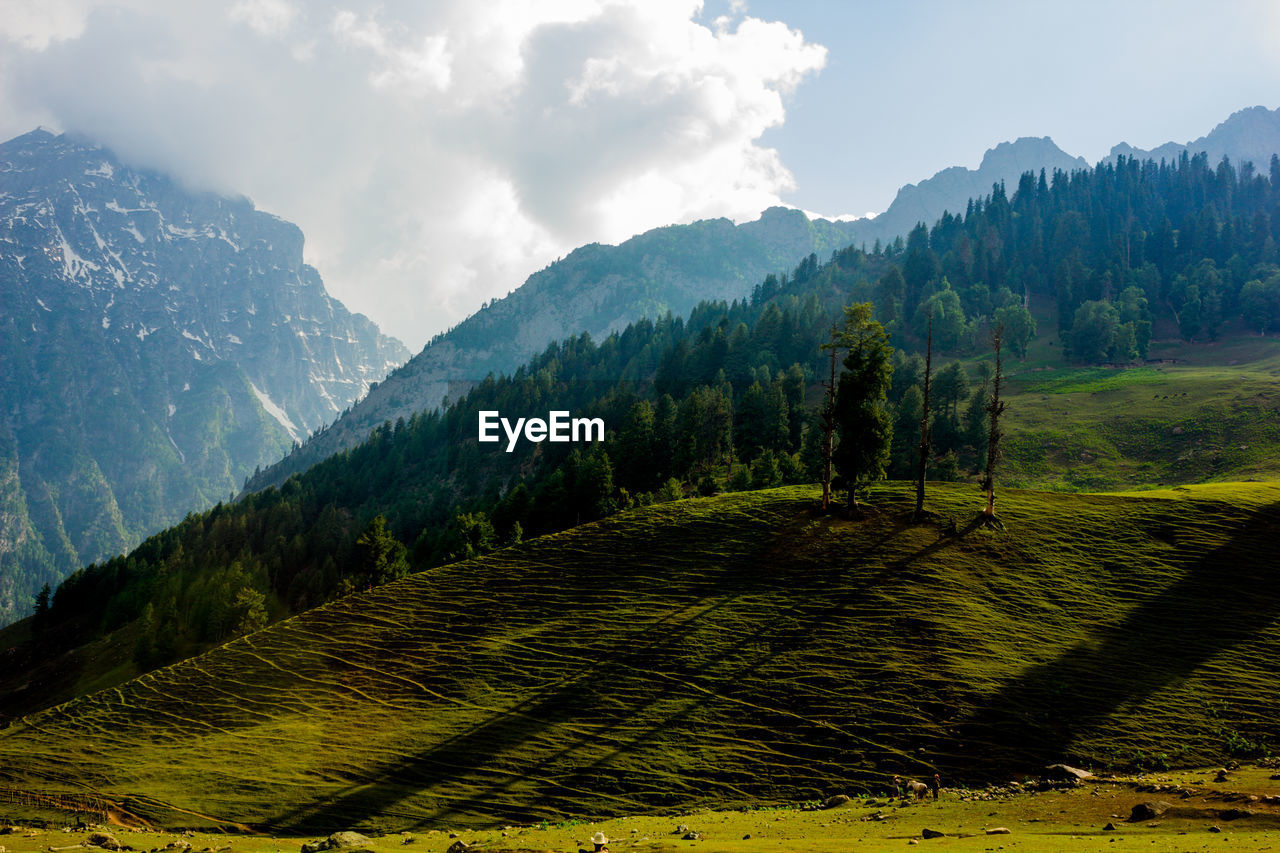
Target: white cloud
434,154
34,25
427,63
265,17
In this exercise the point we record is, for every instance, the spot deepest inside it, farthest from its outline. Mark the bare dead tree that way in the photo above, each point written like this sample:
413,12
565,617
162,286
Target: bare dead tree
995,408
829,423
926,437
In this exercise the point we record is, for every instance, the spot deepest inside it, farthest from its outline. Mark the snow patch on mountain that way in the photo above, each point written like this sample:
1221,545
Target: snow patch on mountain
276,412
73,264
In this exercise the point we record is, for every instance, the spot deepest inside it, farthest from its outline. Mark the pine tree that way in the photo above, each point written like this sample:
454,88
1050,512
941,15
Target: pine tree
765,473
381,557
793,389
951,386
250,609
861,410
664,438
41,619
636,470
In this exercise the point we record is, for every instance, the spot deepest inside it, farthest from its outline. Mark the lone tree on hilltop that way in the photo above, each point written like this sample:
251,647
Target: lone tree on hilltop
861,405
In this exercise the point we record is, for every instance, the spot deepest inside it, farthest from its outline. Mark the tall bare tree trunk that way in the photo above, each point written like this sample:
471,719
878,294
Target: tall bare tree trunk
994,410
925,437
829,428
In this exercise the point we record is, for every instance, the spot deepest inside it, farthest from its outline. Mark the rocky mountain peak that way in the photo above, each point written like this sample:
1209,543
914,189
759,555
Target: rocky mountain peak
1027,152
158,345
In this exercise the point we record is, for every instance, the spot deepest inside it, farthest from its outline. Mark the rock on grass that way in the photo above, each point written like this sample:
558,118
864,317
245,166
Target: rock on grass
1149,810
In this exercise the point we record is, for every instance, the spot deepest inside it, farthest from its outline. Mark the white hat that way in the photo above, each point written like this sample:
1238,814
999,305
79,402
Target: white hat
599,838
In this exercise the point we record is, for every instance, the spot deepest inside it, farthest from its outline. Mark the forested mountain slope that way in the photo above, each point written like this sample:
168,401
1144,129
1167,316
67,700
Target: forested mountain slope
156,346
599,289
596,289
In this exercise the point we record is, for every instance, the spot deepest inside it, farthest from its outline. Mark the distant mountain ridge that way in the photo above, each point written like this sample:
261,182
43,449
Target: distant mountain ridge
597,289
1251,134
158,345
1248,135
952,188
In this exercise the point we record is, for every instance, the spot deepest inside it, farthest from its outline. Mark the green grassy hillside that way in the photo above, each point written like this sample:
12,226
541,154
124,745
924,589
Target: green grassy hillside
1213,415
1210,412
722,651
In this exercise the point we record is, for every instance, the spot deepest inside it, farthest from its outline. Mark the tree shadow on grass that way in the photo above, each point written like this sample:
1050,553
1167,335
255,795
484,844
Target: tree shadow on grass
1222,601
550,755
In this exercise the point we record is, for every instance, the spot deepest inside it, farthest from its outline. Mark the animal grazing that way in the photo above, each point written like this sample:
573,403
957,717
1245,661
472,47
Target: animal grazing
920,789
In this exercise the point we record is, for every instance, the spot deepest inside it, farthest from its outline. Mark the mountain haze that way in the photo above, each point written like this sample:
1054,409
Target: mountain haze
157,346
598,289
1251,134
953,187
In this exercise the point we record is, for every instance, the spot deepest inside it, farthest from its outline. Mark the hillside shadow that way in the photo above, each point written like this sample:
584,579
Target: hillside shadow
769,640
640,671
1222,601
37,671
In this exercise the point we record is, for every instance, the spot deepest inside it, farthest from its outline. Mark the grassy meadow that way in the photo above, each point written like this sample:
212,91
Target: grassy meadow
718,653
1036,822
1198,413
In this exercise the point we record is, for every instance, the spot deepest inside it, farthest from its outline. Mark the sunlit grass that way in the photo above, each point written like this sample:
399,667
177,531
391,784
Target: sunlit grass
724,651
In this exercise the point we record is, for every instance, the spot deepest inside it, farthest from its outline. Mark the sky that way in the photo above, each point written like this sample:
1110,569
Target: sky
437,153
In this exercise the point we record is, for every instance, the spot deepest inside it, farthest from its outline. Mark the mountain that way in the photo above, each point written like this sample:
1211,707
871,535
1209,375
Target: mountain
952,188
1251,135
158,345
662,652
597,289
725,399
729,652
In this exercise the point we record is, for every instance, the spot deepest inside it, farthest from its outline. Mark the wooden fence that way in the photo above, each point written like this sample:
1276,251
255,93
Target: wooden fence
90,808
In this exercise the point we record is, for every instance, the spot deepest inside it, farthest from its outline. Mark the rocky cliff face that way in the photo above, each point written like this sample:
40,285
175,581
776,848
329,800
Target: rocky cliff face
597,289
158,345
